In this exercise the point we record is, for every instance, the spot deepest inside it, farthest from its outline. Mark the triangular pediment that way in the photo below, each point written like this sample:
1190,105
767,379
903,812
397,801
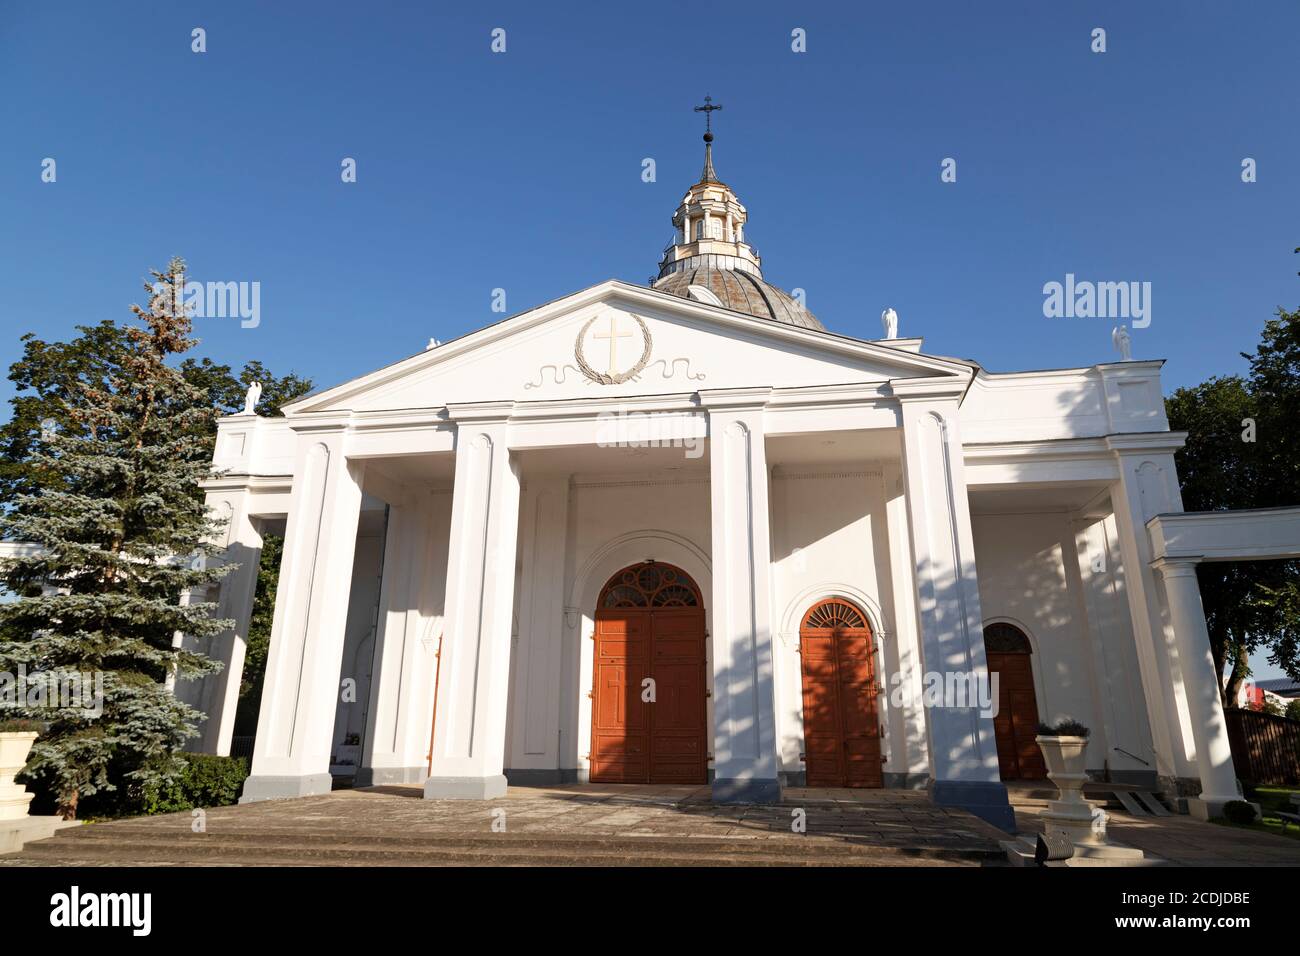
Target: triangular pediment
615,340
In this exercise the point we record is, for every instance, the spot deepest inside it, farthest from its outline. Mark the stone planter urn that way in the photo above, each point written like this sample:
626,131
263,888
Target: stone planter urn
1066,757
14,748
1078,819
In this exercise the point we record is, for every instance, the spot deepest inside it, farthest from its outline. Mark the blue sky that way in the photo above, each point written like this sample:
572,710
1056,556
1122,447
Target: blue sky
522,170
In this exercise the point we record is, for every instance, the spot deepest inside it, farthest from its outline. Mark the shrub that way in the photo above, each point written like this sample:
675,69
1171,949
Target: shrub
21,727
1238,811
1064,728
206,781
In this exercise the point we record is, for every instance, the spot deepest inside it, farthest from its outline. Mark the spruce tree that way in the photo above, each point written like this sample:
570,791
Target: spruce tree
122,535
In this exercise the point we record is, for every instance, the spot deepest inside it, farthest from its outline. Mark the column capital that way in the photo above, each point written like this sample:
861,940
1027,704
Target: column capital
485,412
736,399
1145,443
1176,567
929,389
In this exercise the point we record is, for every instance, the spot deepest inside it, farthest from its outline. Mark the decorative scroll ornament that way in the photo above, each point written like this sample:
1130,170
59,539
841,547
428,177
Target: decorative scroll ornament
611,377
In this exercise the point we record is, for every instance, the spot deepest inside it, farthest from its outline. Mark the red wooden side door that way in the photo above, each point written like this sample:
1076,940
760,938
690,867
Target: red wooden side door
635,741
1016,722
841,726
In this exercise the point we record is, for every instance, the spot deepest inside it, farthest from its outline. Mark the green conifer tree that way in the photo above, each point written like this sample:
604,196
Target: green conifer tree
121,569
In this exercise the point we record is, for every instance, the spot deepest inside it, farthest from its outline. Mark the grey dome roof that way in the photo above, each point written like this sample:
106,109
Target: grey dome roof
741,292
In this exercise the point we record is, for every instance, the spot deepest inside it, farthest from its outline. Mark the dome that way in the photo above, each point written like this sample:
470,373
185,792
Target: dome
710,260
739,291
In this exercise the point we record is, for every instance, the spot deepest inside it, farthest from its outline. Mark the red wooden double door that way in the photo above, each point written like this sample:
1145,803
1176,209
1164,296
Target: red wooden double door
649,712
841,725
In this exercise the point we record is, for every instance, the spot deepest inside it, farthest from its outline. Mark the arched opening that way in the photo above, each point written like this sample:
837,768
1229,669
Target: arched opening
1010,656
649,680
840,713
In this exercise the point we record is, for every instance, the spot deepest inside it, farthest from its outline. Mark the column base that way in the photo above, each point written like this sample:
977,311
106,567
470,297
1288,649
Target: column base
905,781
531,777
386,776
1206,808
1020,852
465,788
15,833
733,790
985,799
266,787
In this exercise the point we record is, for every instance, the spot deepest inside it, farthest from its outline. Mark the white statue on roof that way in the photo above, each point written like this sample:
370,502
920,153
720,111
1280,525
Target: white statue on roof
1119,337
889,319
252,397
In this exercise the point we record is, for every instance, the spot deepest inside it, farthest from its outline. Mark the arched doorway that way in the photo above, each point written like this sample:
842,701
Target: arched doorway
649,624
1010,657
841,729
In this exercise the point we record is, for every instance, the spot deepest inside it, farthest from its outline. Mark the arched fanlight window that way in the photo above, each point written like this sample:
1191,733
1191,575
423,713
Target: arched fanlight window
835,614
650,585
1003,638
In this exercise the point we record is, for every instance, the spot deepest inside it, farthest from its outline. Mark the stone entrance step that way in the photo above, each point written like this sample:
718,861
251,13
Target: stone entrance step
124,844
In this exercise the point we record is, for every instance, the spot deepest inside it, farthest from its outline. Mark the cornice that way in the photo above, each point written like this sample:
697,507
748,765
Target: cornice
1134,443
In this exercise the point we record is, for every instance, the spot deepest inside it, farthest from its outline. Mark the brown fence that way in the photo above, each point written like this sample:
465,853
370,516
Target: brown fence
1265,748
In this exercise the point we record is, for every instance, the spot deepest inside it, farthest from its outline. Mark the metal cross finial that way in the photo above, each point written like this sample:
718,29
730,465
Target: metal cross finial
707,109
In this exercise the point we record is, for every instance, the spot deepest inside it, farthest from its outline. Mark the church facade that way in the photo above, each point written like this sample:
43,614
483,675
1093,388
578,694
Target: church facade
682,533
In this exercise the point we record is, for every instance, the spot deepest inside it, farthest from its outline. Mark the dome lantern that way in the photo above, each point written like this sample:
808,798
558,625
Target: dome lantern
710,260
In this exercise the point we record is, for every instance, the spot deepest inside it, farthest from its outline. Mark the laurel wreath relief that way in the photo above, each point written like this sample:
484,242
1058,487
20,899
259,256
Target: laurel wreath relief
604,378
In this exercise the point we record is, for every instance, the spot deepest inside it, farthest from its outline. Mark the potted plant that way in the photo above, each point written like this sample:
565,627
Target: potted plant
16,739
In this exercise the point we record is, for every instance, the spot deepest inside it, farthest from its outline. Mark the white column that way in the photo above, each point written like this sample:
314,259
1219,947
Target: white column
745,746
1209,729
914,760
473,692
301,688
1148,486
384,757
534,750
219,695
963,751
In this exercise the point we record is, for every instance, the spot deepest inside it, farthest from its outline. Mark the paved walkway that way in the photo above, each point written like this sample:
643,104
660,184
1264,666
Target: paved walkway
1179,840
575,825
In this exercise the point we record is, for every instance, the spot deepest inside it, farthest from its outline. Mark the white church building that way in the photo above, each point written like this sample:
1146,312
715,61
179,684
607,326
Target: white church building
682,533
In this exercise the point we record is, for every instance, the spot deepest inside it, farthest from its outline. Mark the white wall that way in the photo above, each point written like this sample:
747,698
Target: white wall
609,523
1023,579
830,538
